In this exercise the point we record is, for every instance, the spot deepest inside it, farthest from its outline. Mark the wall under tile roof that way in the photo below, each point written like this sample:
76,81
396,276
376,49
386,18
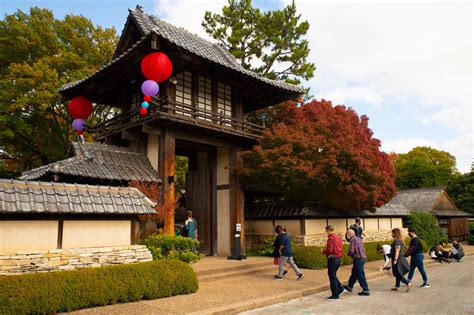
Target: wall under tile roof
18,197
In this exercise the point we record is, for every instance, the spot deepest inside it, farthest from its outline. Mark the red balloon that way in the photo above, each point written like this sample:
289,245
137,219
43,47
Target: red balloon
80,107
146,98
143,111
156,66
79,133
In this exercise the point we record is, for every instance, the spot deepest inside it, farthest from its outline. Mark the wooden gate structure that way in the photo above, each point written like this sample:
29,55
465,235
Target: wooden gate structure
203,104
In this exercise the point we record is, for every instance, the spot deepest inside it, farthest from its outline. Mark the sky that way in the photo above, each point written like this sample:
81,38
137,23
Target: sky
406,65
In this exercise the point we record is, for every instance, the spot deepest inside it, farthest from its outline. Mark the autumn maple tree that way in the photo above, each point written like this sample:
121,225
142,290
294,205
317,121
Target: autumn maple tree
323,153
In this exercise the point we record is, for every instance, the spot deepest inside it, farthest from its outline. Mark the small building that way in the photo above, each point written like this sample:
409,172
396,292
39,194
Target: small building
306,221
436,201
72,222
48,215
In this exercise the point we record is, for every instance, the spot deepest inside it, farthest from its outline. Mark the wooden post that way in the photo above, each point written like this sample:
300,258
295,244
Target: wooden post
166,171
237,198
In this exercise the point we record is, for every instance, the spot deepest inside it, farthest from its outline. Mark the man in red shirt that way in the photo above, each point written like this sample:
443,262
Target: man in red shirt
333,251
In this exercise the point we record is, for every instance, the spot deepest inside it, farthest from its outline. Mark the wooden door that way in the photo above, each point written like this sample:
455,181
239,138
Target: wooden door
198,200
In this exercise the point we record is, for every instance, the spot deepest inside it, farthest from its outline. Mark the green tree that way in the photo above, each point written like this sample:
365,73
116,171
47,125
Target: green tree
426,226
270,43
39,54
461,191
424,167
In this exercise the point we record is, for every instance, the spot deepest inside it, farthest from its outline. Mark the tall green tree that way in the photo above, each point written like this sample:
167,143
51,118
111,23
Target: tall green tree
424,167
461,191
270,43
427,227
39,54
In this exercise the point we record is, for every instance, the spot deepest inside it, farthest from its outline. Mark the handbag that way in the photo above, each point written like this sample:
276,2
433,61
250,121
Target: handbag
276,261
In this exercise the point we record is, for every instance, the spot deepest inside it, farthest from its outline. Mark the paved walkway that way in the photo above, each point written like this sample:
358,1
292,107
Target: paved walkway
451,292
233,293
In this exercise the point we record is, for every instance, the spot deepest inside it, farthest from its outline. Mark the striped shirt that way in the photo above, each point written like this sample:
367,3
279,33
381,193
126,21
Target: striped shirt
356,248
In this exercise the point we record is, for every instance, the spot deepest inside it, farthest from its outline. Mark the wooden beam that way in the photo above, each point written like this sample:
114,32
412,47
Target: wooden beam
201,139
130,135
166,171
151,129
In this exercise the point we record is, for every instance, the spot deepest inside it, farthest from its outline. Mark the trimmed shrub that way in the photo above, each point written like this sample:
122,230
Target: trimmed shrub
471,228
63,291
470,241
427,227
310,257
171,246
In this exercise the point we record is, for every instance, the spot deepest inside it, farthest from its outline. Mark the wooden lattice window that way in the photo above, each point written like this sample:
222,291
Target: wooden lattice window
184,87
224,102
204,102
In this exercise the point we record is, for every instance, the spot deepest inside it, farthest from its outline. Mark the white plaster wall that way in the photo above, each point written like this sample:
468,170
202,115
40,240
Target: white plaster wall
96,233
315,226
293,227
385,224
27,235
339,225
371,224
397,223
223,222
260,227
152,150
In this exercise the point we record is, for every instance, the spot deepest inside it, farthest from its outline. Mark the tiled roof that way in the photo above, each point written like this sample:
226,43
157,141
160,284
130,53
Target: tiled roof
427,200
194,44
286,209
99,161
47,197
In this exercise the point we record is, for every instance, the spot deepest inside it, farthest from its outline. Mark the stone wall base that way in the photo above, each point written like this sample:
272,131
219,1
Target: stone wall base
254,241
75,258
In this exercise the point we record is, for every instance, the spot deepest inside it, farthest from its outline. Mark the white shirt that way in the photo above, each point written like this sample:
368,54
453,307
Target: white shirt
386,249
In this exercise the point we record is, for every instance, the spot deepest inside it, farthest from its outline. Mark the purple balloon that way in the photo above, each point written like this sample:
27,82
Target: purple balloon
78,124
150,88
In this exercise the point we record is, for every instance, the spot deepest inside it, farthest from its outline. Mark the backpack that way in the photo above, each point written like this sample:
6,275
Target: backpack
356,230
184,231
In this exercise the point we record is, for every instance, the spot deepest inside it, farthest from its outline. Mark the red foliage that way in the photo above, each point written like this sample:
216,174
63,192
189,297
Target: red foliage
326,154
153,191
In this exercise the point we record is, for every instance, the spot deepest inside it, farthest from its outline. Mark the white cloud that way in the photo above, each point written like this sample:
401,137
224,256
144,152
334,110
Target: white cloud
415,56
188,14
406,144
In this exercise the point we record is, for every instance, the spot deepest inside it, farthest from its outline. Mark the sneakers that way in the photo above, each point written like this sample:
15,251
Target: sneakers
394,289
277,278
409,285
333,297
425,285
364,293
300,277
343,291
285,272
346,288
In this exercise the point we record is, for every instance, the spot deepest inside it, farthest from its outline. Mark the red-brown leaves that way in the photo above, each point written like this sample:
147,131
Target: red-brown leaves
324,153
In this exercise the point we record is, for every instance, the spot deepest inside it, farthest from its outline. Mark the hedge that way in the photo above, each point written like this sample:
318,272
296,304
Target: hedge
173,247
310,257
63,291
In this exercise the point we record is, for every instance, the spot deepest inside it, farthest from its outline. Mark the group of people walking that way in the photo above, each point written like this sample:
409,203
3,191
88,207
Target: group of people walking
394,253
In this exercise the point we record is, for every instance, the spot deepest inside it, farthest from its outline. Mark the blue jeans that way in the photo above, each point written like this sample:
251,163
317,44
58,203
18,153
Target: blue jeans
417,262
358,274
335,284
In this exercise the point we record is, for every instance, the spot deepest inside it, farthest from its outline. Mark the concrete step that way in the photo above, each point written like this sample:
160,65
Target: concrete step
238,272
234,266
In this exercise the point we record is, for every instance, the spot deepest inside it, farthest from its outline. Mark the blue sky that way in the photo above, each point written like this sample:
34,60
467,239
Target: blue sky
407,66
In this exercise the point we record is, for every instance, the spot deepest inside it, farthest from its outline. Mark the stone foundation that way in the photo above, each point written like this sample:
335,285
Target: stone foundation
253,241
69,259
